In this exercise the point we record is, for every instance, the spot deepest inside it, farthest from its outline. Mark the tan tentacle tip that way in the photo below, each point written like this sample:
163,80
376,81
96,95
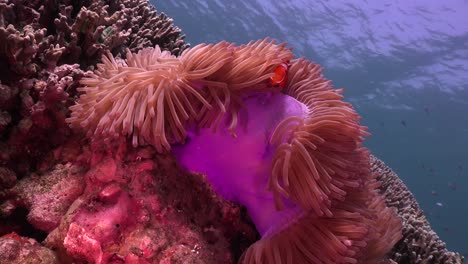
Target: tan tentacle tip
308,240
147,98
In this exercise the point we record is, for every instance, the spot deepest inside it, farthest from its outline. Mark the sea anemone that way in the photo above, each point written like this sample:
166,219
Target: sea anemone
149,96
152,95
291,153
246,72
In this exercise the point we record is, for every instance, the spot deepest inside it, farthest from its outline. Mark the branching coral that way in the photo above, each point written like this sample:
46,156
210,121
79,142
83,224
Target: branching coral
304,175
45,48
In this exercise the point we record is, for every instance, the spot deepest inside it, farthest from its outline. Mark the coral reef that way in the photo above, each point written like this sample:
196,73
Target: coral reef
45,49
420,244
121,198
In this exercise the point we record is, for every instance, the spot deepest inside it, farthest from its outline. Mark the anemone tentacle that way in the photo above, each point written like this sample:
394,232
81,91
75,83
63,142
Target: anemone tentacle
316,159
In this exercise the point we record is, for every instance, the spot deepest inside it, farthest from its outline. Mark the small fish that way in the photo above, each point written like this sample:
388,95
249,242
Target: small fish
434,193
459,169
439,204
423,166
452,186
426,109
403,123
280,79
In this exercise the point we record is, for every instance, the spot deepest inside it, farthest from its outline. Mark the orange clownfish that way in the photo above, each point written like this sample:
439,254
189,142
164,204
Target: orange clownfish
280,78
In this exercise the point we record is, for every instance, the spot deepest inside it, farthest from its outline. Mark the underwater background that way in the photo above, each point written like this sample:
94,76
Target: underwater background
404,65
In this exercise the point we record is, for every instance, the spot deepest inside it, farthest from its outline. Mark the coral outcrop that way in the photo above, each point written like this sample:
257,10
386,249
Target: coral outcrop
136,207
420,244
45,49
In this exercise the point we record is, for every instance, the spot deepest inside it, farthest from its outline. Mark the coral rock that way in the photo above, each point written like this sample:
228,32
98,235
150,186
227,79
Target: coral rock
15,249
137,208
420,244
47,197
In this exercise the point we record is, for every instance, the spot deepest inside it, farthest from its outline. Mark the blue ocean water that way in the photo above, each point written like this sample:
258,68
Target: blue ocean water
404,65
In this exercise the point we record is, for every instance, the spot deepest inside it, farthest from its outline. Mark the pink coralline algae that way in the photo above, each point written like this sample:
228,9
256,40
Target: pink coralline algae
46,197
133,211
17,249
113,203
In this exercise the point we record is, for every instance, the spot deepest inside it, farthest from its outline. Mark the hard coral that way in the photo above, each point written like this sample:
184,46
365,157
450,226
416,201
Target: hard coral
420,244
309,154
45,49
